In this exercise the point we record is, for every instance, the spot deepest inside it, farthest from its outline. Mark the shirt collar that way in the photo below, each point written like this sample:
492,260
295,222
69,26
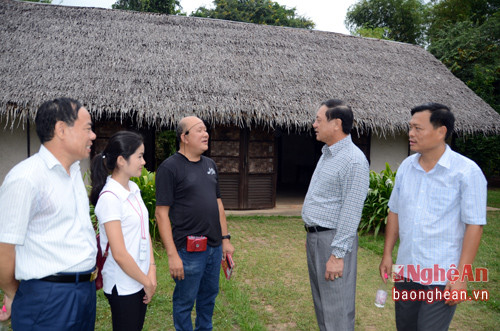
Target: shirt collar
51,161
119,190
338,146
444,160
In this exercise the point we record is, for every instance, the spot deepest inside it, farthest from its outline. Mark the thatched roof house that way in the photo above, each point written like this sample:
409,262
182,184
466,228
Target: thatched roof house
155,69
159,67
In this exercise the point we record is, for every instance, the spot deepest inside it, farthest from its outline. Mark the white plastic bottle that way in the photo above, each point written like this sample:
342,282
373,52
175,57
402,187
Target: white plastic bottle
381,296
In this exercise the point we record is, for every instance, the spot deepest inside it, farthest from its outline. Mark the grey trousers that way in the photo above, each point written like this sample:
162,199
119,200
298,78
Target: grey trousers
334,301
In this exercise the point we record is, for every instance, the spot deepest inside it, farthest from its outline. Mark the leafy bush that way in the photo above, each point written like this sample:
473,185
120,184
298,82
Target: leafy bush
165,145
147,185
375,210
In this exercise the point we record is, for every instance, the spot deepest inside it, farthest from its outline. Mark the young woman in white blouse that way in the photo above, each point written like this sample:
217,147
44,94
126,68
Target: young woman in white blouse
129,274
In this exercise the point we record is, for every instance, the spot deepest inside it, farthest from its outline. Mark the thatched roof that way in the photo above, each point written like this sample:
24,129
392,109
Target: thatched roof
158,68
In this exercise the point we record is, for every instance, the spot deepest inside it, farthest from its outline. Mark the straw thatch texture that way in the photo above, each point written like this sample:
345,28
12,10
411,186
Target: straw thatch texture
158,68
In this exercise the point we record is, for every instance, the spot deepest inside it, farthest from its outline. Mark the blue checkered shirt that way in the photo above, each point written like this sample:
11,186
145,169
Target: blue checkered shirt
337,193
434,207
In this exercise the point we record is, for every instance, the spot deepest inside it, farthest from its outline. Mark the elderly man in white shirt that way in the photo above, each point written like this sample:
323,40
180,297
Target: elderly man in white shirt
47,242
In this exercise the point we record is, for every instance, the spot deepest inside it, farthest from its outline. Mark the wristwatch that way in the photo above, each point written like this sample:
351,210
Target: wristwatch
228,236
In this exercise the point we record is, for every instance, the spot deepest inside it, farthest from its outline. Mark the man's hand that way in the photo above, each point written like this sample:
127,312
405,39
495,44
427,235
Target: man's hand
385,267
176,267
455,291
334,268
227,248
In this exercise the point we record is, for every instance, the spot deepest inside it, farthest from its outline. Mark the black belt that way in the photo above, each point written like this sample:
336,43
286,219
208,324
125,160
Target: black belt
316,228
71,278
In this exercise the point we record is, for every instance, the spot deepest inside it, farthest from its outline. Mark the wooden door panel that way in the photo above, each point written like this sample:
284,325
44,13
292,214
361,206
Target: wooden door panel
229,189
260,191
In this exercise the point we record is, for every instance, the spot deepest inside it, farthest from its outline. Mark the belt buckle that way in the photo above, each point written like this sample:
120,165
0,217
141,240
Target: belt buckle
93,275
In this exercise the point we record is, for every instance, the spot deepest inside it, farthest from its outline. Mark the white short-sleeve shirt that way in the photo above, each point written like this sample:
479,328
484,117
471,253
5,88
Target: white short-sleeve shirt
45,213
433,210
128,208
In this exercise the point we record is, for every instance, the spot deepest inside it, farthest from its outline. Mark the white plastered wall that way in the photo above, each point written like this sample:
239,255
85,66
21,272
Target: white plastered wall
14,147
390,149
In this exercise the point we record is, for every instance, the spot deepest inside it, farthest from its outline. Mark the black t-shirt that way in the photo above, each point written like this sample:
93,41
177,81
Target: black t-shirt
191,190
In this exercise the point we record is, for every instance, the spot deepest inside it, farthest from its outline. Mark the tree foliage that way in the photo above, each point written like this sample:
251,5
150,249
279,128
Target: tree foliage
463,34
472,53
255,11
401,20
172,7
452,11
484,150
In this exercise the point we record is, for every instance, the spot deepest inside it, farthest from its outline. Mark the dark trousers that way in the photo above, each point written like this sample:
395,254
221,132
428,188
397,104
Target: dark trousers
47,306
422,315
127,311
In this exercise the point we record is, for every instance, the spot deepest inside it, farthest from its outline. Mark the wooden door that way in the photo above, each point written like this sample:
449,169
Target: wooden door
246,161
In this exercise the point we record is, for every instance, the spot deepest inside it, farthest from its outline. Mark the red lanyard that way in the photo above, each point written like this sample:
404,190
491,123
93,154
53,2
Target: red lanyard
143,231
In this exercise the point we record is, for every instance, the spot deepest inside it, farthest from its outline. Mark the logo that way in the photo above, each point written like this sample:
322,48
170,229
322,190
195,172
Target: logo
427,276
211,171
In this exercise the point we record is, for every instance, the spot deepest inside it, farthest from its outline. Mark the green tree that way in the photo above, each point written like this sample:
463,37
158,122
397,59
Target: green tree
465,36
445,12
255,11
484,150
172,7
472,53
400,20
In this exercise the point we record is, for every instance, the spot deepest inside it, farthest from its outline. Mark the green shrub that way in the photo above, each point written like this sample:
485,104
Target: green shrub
147,185
165,145
375,210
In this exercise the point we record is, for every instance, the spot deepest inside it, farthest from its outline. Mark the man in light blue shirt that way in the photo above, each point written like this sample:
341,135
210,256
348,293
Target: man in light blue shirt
437,209
331,213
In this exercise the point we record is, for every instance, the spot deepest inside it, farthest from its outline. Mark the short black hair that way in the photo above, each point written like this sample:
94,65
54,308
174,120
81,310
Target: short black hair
344,113
441,115
50,112
330,103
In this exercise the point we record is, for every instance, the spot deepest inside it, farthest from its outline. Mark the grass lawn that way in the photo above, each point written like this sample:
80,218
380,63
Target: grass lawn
494,197
270,286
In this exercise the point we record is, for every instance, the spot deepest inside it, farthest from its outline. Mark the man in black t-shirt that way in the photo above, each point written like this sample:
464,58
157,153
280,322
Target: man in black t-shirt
188,203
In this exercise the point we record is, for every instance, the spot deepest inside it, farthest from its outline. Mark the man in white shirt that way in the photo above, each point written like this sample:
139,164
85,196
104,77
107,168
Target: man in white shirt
437,209
47,242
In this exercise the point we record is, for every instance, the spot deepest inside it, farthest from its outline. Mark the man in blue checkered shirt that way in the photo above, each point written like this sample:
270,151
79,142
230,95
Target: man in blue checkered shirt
331,213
